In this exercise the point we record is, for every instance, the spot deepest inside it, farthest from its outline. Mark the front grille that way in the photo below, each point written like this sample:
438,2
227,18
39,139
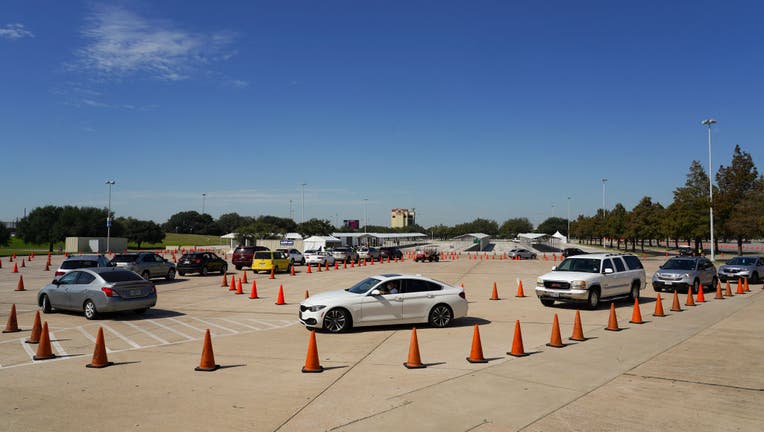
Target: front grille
557,285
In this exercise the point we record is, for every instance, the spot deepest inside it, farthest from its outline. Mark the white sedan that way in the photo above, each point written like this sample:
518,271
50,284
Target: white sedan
384,300
319,258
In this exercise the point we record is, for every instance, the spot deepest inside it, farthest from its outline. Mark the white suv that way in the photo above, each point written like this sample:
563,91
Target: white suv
590,278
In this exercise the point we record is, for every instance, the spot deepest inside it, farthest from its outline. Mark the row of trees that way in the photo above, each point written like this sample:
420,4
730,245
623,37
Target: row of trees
738,202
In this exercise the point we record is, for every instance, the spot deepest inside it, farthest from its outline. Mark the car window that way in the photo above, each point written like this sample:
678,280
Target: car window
262,255
585,265
633,262
363,286
75,264
84,278
418,285
607,264
158,258
679,264
619,264
124,258
120,276
69,278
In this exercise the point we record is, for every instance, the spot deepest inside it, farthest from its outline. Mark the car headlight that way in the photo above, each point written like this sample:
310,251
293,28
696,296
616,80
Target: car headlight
745,272
685,275
579,284
539,282
316,308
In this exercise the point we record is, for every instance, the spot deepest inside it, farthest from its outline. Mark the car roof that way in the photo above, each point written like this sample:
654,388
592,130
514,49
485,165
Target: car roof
599,255
83,257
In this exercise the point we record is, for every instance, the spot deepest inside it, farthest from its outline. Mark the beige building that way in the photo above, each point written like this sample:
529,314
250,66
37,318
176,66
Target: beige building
400,218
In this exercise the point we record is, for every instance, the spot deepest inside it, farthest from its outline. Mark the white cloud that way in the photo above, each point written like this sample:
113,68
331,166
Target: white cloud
14,31
122,43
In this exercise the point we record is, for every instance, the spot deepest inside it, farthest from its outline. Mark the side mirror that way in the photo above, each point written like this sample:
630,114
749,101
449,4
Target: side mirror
660,266
608,270
375,292
554,268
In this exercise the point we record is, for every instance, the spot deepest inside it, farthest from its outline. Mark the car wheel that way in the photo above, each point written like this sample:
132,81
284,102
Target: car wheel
634,293
170,274
181,273
224,270
46,307
204,271
238,267
440,316
547,302
90,310
714,282
337,320
146,275
755,278
695,286
594,299
289,268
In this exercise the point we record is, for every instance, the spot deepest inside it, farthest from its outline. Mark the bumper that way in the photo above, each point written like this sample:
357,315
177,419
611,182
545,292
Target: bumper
311,319
670,286
732,277
114,304
573,295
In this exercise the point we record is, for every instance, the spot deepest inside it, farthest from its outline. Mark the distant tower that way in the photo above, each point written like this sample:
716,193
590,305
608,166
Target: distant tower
401,218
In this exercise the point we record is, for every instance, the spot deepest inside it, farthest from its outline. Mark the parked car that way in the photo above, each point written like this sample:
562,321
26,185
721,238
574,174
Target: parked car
146,264
686,251
365,252
679,273
568,252
592,277
344,254
81,261
202,263
242,255
522,253
97,290
317,257
374,301
429,254
390,252
271,260
751,267
295,256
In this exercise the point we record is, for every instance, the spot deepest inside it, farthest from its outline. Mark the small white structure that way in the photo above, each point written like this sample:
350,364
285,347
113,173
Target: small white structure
94,244
320,242
481,240
558,235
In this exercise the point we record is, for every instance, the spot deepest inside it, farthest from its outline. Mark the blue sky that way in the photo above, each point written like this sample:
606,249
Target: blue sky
492,109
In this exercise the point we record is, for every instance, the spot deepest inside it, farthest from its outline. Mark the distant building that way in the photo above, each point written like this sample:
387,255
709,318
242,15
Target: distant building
401,218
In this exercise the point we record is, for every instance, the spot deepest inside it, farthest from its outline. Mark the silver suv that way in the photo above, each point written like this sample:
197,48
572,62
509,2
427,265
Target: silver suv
146,264
679,273
590,278
344,254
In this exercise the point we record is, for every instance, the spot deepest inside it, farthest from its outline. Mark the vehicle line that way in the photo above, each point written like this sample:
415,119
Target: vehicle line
239,323
215,325
187,325
147,333
170,329
121,336
263,323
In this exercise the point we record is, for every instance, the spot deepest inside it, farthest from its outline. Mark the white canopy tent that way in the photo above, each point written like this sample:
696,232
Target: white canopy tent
320,242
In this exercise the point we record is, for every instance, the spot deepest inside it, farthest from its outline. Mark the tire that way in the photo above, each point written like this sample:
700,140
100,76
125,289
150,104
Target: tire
181,273
337,321
224,270
146,275
204,271
46,307
634,293
714,281
695,286
547,302
289,268
594,298
170,274
238,267
90,310
755,278
440,316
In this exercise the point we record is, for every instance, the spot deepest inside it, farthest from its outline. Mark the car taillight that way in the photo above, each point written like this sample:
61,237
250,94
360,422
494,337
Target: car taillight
462,295
153,289
59,273
109,292
197,260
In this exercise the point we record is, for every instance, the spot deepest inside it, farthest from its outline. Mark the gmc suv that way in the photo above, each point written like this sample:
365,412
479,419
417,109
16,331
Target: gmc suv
590,278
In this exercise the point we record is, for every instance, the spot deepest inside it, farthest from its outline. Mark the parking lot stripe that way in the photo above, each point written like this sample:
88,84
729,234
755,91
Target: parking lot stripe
119,335
57,345
263,323
232,331
201,330
27,348
147,333
171,329
239,323
90,337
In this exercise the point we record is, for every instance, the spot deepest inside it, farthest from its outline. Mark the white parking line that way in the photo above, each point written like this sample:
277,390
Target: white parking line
119,335
27,348
200,330
239,323
147,333
91,338
57,345
232,331
171,329
263,323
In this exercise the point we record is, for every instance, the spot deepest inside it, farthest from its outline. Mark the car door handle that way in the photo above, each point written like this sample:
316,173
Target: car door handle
399,298
430,296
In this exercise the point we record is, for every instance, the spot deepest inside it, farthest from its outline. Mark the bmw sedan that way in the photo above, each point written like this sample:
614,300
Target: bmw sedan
521,253
97,290
384,300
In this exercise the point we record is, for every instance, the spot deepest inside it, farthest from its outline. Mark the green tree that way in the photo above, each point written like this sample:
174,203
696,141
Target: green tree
747,218
737,183
552,225
512,227
687,216
320,227
5,235
140,231
644,222
191,222
39,226
230,222
616,223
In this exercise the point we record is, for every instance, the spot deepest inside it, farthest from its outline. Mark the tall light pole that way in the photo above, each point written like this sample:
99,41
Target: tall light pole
708,123
568,233
110,183
365,214
204,201
302,210
604,180
291,214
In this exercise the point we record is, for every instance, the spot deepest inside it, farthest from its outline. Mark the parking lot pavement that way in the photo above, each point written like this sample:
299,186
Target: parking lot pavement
693,370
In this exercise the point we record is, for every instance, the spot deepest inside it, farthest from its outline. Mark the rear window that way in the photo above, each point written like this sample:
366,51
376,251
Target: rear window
241,250
75,264
124,258
120,276
262,255
633,262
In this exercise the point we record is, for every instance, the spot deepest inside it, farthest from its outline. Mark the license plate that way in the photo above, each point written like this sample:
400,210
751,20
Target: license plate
554,294
135,292
668,283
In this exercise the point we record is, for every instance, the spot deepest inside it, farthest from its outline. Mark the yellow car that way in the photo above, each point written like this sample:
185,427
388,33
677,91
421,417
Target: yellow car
267,260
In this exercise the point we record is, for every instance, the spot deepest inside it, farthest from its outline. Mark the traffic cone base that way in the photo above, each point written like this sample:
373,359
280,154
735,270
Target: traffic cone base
658,307
99,353
13,325
476,353
612,324
207,363
555,341
675,307
414,360
311,359
44,351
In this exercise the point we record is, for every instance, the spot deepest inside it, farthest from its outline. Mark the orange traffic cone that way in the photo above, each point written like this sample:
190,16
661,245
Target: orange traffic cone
658,307
15,268
701,294
520,292
336,265
280,298
555,341
326,267
309,269
13,325
740,289
344,265
578,331
494,294
34,337
253,295
675,307
243,279
517,342
99,353
273,273
476,353
612,323
747,289
233,283
207,363
719,295
20,285
291,270
319,267
238,287
311,359
728,290
44,352
636,315
690,300
23,264
307,294
414,361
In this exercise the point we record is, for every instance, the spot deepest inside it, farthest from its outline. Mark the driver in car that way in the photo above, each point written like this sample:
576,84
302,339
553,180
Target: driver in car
390,288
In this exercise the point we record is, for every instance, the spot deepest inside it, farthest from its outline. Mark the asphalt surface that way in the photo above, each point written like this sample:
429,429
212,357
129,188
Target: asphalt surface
696,370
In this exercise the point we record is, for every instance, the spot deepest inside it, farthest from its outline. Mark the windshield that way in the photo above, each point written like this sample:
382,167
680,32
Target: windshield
679,265
263,255
75,264
364,286
745,261
124,258
584,265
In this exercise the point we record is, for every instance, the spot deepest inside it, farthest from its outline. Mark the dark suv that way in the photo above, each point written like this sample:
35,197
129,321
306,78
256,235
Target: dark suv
390,252
202,263
242,256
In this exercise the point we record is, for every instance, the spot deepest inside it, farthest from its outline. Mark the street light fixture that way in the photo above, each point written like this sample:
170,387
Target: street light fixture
365,214
302,211
568,233
204,199
604,180
708,123
110,183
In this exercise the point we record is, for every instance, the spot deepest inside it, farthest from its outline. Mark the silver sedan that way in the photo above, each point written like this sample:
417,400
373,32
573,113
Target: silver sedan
96,290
